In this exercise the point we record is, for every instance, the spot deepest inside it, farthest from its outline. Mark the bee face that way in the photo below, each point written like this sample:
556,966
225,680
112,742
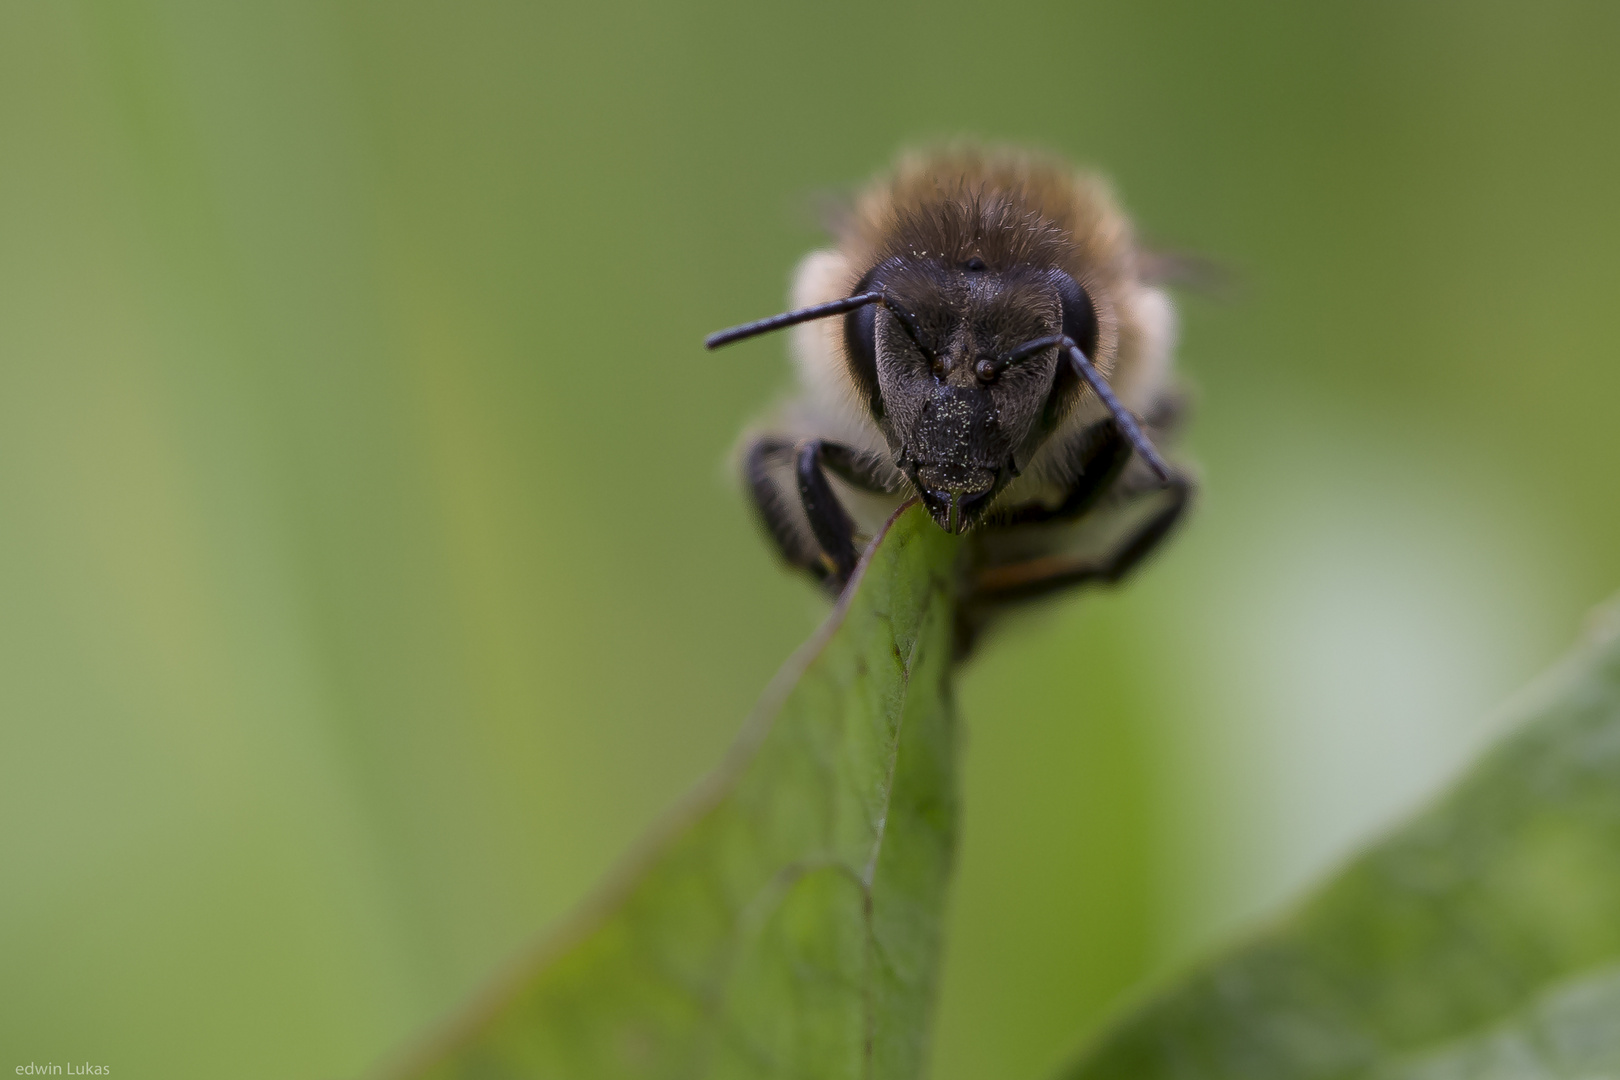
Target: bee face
957,414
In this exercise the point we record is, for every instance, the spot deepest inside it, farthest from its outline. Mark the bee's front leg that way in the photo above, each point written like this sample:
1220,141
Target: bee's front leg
1098,456
813,531
1038,577
829,521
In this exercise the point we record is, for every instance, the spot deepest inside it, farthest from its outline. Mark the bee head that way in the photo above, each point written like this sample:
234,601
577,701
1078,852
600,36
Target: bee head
959,406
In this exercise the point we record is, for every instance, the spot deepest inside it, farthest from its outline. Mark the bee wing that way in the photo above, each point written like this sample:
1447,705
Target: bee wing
1193,271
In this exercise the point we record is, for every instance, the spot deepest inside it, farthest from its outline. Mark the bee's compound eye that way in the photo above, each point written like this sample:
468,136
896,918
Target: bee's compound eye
860,341
860,336
975,264
1079,314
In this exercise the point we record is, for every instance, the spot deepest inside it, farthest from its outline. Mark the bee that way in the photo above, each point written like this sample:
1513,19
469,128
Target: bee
986,335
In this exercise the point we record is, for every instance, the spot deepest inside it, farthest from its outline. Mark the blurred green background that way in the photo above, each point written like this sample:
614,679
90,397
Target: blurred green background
371,574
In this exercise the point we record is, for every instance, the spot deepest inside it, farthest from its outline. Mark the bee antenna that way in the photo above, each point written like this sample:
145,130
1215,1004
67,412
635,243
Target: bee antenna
791,318
1093,378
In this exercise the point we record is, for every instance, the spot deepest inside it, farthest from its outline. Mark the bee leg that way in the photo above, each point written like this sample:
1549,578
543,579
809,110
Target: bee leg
1100,455
1048,574
830,523
765,456
816,535
862,468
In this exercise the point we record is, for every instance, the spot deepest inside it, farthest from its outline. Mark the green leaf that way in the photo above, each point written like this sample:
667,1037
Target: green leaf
788,921
1482,939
